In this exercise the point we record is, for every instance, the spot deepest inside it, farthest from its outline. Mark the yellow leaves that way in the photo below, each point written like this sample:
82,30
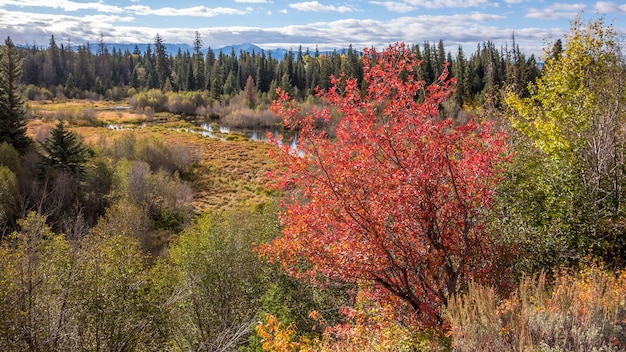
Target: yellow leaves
278,337
370,327
564,98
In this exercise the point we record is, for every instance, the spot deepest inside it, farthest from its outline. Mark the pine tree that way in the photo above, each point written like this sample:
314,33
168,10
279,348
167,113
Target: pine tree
198,63
64,151
250,92
12,111
163,69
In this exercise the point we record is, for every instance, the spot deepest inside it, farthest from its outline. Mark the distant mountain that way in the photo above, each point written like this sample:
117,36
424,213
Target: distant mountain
172,49
250,48
277,53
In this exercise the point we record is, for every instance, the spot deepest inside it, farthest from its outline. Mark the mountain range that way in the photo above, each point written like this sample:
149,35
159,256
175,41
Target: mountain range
172,49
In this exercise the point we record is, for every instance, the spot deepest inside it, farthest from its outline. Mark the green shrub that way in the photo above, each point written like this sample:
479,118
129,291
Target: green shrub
8,197
33,92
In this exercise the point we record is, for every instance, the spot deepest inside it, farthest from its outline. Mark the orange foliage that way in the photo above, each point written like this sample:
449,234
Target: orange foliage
398,198
369,327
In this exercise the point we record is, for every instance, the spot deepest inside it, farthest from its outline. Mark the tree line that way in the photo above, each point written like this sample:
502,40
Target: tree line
111,74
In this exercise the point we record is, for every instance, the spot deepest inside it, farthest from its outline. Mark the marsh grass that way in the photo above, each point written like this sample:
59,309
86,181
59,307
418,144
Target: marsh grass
241,116
84,112
223,173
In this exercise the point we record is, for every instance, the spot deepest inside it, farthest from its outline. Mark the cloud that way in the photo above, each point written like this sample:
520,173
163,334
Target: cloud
196,11
65,5
438,4
466,29
36,28
556,11
315,6
395,6
254,1
609,7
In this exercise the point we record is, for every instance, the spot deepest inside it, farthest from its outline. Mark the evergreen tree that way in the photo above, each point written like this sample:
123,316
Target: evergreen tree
459,71
250,92
103,66
427,64
198,63
231,85
12,112
64,151
52,69
163,68
263,79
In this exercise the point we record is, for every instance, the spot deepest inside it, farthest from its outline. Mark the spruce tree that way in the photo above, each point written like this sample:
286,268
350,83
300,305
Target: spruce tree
64,151
12,111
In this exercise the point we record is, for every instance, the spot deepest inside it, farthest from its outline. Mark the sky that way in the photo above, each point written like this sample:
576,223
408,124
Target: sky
288,24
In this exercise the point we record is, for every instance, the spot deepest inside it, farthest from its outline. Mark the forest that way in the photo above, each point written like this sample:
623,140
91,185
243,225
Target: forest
407,198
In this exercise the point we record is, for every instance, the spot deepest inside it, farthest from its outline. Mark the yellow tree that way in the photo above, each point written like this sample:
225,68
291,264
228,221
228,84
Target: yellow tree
573,116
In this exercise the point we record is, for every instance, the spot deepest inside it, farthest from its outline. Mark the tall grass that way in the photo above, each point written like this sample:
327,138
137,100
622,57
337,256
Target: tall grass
585,311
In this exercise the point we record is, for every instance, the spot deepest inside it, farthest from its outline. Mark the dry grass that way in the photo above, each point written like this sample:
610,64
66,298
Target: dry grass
229,174
85,112
585,311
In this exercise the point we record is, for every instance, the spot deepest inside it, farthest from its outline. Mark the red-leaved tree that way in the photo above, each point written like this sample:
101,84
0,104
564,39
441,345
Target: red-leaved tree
396,201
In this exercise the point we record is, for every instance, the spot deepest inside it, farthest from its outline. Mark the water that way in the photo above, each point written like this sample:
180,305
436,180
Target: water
221,132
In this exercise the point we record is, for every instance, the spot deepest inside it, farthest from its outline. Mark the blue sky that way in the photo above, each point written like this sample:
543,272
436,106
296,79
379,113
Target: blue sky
290,23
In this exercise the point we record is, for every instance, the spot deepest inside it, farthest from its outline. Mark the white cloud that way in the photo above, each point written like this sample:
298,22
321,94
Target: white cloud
605,7
437,4
395,6
316,6
196,11
466,29
556,11
64,5
254,1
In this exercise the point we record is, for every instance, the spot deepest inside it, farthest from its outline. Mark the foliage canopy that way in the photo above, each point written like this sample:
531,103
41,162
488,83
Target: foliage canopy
396,202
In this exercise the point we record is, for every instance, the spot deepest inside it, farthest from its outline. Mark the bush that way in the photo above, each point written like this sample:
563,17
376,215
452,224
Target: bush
187,103
152,150
246,117
96,294
153,98
8,197
223,279
33,92
9,157
581,312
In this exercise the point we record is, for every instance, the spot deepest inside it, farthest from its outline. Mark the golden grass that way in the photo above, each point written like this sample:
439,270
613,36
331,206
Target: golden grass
120,117
103,112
